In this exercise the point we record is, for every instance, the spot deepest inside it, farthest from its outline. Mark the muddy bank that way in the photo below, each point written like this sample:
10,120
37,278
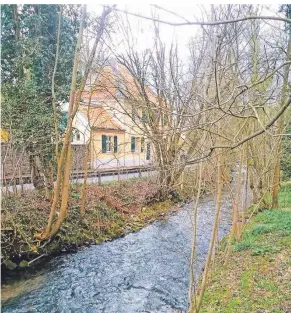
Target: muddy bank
111,212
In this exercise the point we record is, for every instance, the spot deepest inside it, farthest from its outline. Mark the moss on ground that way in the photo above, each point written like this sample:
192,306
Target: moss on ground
257,276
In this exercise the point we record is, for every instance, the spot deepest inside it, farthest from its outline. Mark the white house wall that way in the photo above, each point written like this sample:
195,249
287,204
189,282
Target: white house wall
80,122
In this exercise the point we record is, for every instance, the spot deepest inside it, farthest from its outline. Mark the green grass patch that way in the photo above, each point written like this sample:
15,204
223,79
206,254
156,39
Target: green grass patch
261,229
284,195
264,249
257,275
269,221
265,283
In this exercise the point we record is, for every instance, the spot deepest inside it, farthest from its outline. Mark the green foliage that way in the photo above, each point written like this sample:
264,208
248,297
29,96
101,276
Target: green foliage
255,278
35,50
261,229
284,195
29,37
245,244
23,264
264,283
28,119
269,221
264,249
105,218
10,265
279,220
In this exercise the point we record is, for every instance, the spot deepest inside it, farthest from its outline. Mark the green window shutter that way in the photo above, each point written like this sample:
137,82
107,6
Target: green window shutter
142,144
148,153
115,144
132,144
103,144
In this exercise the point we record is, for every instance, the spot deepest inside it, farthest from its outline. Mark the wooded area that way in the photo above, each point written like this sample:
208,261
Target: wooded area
224,109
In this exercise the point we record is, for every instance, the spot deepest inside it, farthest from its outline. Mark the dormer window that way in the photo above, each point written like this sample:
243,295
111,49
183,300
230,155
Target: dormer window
77,135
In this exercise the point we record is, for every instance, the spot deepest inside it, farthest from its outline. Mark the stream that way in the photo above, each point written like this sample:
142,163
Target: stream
146,271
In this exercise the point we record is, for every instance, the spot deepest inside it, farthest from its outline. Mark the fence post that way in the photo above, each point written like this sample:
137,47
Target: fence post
99,178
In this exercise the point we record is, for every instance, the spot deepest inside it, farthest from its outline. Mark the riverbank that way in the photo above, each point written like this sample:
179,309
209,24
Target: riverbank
112,211
257,275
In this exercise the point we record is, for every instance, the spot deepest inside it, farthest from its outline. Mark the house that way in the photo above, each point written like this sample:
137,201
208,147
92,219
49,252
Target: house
120,141
115,141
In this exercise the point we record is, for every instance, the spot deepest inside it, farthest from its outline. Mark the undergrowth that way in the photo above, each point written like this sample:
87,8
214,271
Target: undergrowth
257,275
110,211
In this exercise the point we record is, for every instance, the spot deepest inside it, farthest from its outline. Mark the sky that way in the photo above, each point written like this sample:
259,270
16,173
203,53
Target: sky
143,30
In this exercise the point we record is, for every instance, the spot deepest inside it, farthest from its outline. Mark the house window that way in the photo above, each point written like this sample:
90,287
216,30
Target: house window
142,145
148,152
77,135
134,144
109,144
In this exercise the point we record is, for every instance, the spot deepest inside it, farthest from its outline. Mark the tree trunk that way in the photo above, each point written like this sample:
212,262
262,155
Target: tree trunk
65,195
213,236
54,98
192,292
276,184
75,98
84,186
66,143
276,180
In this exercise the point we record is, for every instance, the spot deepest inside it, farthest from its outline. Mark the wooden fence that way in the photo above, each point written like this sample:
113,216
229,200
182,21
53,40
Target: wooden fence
15,165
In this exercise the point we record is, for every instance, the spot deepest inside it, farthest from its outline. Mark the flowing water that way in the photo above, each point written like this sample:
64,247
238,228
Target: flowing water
146,271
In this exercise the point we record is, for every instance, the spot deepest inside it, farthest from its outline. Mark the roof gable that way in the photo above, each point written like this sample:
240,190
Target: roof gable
113,82
99,118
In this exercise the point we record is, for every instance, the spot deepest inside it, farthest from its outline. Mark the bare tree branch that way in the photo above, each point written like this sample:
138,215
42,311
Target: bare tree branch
275,18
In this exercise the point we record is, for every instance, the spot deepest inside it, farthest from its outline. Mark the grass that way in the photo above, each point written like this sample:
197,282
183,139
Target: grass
257,276
284,195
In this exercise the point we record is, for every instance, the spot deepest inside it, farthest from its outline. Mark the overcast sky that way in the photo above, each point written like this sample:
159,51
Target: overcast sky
143,30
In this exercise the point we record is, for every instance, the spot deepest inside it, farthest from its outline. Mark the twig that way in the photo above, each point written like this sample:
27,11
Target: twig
276,18
36,259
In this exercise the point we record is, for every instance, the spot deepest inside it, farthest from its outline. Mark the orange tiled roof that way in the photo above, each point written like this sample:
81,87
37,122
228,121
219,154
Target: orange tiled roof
111,80
99,118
